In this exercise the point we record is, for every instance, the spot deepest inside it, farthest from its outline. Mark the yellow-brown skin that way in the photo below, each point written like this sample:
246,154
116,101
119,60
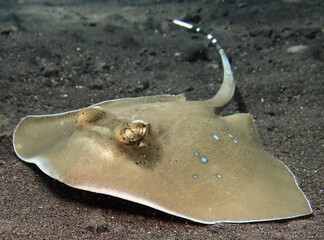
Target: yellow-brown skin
149,159
88,116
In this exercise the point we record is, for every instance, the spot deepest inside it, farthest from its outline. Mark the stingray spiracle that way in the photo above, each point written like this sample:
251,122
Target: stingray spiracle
133,133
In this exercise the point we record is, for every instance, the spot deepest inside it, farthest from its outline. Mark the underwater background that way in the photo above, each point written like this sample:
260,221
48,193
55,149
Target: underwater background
60,55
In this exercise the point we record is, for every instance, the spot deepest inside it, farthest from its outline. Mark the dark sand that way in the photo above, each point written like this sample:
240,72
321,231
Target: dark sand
61,55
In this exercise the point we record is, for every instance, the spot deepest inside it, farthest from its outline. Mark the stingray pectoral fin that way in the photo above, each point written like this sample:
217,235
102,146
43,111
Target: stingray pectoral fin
241,125
34,133
272,188
221,173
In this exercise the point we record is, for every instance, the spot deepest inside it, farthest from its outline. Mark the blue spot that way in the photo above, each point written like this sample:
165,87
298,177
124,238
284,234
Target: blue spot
235,141
219,176
204,159
230,135
196,154
195,176
216,137
211,122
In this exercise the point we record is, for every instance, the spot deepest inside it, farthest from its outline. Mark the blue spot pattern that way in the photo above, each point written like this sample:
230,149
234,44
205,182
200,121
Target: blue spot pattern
204,159
216,137
231,136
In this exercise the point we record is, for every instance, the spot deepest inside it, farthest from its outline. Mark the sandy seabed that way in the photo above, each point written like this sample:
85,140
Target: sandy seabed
60,55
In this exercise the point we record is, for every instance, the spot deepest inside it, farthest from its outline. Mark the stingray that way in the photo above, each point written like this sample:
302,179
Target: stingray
180,157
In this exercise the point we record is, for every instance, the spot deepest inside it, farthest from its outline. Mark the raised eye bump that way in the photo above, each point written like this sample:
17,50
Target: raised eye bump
88,116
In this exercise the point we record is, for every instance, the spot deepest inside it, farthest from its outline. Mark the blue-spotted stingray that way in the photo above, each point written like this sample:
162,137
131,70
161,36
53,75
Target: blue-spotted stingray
173,155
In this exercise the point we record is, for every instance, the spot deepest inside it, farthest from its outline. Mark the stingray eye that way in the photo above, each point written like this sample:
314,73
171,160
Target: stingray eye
88,116
132,133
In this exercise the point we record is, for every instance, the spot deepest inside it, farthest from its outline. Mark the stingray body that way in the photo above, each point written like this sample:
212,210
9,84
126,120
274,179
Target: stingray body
165,152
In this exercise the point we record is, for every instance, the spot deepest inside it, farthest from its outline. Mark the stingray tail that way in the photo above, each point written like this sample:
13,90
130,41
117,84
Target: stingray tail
226,92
